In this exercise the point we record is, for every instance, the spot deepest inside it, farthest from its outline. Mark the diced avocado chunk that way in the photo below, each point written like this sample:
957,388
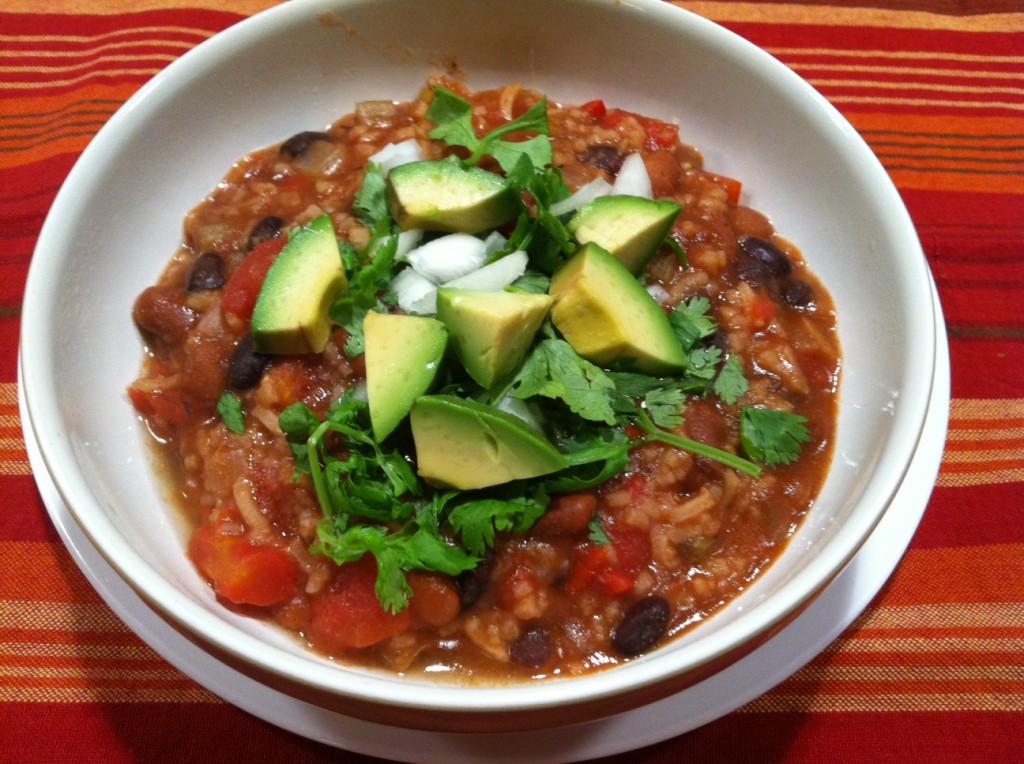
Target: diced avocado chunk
630,227
291,310
491,331
445,195
467,445
403,355
609,318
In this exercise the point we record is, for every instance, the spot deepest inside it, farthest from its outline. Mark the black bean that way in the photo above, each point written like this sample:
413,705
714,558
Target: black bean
754,272
247,366
473,583
798,294
762,250
299,143
642,626
265,230
606,158
532,649
207,273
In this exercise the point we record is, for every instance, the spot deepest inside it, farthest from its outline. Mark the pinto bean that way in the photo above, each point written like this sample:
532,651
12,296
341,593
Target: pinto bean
664,172
567,514
161,311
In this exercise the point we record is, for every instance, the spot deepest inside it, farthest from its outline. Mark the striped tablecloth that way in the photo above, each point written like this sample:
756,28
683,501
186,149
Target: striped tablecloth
933,670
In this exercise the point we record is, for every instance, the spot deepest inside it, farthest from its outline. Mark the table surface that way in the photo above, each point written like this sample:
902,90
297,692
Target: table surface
932,670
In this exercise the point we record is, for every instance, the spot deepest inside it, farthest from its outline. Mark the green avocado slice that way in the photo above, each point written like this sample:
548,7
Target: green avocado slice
609,318
403,356
291,309
445,195
630,227
491,331
467,445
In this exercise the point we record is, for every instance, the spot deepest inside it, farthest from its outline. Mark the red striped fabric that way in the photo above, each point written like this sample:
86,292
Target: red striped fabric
932,670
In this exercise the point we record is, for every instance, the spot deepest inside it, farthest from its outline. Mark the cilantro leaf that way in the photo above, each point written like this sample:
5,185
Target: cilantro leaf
478,520
665,405
554,370
597,532
453,117
691,321
772,436
731,383
370,202
229,407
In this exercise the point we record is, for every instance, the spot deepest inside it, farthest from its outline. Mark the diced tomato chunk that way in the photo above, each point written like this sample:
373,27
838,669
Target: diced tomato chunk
660,135
349,615
762,313
243,287
243,572
632,546
594,109
733,188
161,398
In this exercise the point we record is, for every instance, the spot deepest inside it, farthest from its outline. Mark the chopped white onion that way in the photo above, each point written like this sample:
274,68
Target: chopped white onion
448,257
495,242
415,293
658,292
493,277
521,410
359,391
395,154
633,179
583,196
408,241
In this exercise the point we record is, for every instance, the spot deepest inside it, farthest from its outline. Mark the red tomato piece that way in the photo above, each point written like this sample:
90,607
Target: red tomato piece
733,187
660,135
243,287
594,109
349,615
159,398
243,572
632,546
762,313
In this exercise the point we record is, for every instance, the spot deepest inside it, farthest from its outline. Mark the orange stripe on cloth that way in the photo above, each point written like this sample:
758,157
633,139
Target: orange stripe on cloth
833,16
963,575
36,128
119,7
41,572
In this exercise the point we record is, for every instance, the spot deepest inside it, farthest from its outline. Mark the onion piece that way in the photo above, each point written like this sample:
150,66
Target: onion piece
448,257
395,154
495,242
520,409
584,195
407,242
633,179
493,277
415,293
658,292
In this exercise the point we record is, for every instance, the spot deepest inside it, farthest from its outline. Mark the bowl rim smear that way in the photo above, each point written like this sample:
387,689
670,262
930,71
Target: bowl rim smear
667,669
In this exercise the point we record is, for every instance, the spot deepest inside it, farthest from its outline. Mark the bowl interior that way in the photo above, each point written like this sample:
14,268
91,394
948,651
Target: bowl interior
302,65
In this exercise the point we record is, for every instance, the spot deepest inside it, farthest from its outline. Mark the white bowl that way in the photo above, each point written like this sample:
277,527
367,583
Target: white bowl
301,65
